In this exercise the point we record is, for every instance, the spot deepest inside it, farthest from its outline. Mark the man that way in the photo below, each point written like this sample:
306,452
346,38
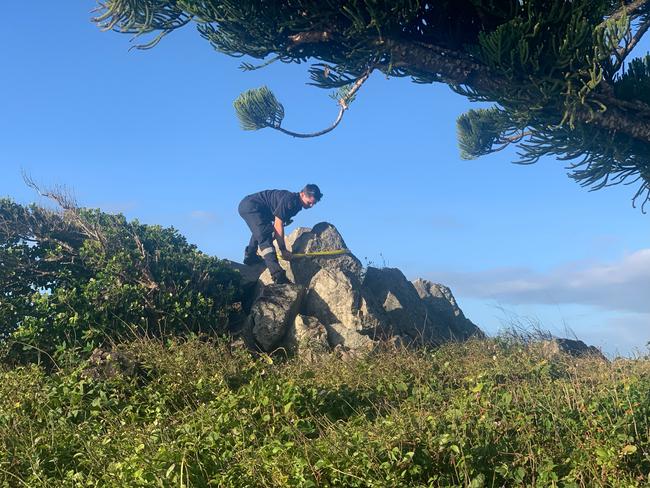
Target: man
266,213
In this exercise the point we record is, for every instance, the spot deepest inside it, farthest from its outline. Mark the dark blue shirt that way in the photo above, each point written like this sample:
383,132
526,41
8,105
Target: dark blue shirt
279,203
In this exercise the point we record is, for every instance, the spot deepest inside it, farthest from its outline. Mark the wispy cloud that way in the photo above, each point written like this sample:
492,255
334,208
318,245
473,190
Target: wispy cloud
624,333
623,285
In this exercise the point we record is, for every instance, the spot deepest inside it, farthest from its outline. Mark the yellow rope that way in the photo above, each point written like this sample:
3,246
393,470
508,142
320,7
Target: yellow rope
335,252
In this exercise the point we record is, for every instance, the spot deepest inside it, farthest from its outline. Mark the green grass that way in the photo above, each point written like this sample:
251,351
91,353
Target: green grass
483,413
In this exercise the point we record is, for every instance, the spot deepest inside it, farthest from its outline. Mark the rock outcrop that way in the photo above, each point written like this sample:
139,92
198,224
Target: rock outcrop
107,364
441,304
307,338
334,304
421,311
273,312
572,347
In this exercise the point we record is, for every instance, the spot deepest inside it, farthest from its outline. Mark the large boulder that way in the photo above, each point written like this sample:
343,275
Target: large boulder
307,338
572,347
351,317
294,235
408,314
250,279
342,337
104,364
323,237
273,313
440,303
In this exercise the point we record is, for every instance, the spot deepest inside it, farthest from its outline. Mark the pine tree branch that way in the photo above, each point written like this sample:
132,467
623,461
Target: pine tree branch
626,9
451,67
301,135
553,71
412,57
311,37
622,53
459,69
344,104
506,141
609,99
617,119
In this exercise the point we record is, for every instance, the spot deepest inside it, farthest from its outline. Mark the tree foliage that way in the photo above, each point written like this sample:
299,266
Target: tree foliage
83,277
555,70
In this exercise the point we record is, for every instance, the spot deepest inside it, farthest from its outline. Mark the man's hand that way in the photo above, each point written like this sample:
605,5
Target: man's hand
279,234
286,255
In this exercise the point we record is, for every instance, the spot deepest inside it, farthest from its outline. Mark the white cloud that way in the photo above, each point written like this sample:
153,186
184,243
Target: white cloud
623,285
626,333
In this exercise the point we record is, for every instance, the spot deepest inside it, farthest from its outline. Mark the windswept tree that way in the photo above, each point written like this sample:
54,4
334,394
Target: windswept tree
556,71
78,277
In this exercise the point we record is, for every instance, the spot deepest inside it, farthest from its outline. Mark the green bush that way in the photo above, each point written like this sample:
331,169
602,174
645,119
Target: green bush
201,414
81,277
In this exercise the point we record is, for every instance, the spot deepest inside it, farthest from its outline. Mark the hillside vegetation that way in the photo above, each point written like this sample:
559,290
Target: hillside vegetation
112,375
195,412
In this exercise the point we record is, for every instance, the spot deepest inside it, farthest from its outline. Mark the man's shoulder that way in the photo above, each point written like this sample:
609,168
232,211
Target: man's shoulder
288,204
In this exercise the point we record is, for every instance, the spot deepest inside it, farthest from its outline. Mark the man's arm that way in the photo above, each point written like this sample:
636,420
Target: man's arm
278,225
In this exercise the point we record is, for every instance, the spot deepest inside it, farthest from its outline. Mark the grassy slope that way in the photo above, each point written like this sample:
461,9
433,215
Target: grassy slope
484,413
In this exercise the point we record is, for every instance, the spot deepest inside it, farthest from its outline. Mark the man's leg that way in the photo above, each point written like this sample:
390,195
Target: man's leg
251,249
251,257
267,250
249,212
262,230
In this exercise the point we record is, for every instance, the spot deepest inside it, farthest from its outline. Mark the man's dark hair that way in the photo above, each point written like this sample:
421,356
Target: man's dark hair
313,190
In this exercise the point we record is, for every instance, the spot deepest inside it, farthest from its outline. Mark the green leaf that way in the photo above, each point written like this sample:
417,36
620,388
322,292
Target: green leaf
478,387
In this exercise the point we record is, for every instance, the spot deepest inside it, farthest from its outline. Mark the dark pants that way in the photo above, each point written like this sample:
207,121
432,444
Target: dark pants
260,222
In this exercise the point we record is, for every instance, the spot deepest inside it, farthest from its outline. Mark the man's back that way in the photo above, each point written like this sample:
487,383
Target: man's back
276,203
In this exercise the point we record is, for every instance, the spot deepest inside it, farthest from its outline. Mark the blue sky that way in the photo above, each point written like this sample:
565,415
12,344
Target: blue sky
153,134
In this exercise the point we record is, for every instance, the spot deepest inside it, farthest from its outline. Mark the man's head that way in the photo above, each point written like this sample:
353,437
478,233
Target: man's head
310,195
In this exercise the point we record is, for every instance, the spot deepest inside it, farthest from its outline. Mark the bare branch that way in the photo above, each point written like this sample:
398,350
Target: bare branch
344,104
506,141
66,200
61,195
148,281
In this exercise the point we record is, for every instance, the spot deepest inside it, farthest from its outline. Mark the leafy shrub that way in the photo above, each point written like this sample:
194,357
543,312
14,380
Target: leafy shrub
476,414
81,277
